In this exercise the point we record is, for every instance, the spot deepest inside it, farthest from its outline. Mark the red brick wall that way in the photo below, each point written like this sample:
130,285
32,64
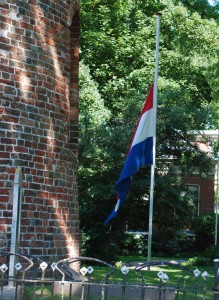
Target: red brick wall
39,123
206,192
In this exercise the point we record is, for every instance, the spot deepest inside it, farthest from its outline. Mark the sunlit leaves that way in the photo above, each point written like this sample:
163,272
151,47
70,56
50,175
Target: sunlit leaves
118,54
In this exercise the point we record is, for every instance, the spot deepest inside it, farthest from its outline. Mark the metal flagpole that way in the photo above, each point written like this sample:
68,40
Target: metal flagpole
154,139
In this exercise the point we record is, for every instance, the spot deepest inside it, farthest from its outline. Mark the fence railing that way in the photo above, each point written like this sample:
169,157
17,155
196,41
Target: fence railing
16,220
160,280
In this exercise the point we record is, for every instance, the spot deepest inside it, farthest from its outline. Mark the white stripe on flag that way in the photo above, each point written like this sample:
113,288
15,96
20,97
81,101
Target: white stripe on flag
146,127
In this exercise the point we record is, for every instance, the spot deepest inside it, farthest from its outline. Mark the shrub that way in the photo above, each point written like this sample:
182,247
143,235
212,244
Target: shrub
186,242
206,258
204,229
134,244
198,261
100,245
211,253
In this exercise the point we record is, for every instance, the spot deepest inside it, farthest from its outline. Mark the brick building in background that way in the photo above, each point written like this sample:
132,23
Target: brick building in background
39,101
203,188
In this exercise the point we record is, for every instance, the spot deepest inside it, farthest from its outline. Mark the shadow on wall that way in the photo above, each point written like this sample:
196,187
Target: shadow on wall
40,113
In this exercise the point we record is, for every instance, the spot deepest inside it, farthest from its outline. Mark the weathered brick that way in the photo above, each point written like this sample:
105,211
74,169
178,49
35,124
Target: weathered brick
38,62
8,141
4,155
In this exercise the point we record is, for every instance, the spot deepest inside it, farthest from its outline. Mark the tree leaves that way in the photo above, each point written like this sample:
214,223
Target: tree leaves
117,69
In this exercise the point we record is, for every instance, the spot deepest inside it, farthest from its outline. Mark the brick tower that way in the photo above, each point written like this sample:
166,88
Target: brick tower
39,123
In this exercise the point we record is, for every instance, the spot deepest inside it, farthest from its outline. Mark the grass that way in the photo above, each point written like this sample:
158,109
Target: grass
150,276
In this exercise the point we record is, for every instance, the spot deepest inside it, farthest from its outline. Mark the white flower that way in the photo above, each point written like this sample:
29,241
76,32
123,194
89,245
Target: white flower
137,236
118,264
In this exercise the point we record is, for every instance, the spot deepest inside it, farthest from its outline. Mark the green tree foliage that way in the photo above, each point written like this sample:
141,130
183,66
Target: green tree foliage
203,7
96,169
204,229
117,69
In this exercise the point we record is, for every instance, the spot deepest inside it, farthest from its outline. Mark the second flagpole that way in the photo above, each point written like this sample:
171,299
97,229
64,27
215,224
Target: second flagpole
154,140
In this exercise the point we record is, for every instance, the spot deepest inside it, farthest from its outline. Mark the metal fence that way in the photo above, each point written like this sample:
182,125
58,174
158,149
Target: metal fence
159,280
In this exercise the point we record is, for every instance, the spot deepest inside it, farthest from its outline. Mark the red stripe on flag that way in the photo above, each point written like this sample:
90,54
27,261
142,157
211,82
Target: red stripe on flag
149,101
147,106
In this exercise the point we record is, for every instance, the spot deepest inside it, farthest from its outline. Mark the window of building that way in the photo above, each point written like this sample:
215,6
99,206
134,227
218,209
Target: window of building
193,191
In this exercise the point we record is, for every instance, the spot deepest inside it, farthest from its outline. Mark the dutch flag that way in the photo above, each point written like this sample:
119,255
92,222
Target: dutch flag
140,153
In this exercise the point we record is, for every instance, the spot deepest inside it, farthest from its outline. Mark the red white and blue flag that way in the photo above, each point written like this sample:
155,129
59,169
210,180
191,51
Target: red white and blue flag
140,153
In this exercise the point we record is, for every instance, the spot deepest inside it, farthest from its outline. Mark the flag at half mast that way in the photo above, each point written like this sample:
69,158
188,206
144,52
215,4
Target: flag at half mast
140,152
